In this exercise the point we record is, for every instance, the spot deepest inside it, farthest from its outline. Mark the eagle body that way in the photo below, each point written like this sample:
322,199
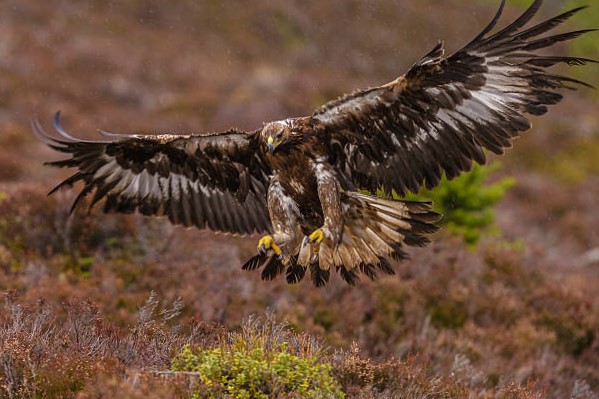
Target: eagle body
300,167
307,193
304,182
299,186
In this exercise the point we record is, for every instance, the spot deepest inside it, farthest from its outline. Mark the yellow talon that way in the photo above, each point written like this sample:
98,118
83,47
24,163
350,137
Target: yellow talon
266,243
317,236
316,249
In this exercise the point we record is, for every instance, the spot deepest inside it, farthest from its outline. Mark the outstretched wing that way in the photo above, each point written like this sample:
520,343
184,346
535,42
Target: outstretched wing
217,180
440,115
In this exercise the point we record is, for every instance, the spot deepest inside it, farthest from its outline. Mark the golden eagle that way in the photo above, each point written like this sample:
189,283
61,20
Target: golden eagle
301,180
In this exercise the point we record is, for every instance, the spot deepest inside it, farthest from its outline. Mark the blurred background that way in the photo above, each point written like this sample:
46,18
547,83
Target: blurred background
519,305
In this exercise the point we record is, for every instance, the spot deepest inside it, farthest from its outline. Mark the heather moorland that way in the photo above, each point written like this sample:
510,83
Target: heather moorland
503,304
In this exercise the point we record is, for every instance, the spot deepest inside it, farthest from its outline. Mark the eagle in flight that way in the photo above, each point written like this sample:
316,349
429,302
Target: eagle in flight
302,181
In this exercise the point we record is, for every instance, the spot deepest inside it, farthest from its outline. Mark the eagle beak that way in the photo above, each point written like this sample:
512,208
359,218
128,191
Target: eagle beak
271,145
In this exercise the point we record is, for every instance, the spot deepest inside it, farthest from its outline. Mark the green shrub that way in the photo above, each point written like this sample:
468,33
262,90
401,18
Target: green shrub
467,201
259,362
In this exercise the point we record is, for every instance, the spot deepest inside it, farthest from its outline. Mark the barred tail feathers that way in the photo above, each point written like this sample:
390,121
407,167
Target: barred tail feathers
375,230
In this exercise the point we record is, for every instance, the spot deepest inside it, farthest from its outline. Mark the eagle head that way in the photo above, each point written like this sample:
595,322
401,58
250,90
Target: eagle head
276,133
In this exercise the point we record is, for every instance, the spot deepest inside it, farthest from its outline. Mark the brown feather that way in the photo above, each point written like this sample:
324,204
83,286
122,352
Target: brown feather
193,180
441,114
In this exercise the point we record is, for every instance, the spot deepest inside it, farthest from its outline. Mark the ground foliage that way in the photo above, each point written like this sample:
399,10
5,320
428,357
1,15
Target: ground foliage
467,202
515,316
263,360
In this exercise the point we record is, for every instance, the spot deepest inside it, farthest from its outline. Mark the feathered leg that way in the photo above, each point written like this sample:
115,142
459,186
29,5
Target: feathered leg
278,252
331,231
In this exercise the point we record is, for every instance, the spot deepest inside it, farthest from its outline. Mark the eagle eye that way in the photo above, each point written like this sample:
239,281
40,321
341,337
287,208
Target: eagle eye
279,135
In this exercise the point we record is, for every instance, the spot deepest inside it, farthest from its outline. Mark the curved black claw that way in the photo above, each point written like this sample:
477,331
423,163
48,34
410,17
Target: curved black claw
262,250
305,241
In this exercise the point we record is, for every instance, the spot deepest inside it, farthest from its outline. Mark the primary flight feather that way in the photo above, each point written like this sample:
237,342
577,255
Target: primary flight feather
301,180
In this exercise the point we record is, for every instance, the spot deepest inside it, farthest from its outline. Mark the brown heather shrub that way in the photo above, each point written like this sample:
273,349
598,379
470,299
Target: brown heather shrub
74,353
515,319
141,385
40,359
51,354
412,378
33,224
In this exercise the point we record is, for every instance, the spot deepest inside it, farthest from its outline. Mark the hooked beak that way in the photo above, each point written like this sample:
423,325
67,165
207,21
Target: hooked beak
271,145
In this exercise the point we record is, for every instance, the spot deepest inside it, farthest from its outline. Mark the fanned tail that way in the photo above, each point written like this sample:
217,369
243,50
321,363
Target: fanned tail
375,232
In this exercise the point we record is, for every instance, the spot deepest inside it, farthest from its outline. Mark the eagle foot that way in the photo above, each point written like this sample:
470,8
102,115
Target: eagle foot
316,237
266,243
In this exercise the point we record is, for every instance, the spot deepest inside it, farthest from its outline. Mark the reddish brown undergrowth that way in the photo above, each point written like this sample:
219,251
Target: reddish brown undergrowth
516,317
51,353
493,321
73,352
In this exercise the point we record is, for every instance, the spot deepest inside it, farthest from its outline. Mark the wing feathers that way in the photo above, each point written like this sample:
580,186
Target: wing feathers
193,180
548,41
551,61
518,23
548,24
491,25
444,111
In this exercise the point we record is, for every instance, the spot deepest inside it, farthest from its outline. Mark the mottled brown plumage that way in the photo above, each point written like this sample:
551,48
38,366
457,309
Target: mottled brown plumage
299,179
